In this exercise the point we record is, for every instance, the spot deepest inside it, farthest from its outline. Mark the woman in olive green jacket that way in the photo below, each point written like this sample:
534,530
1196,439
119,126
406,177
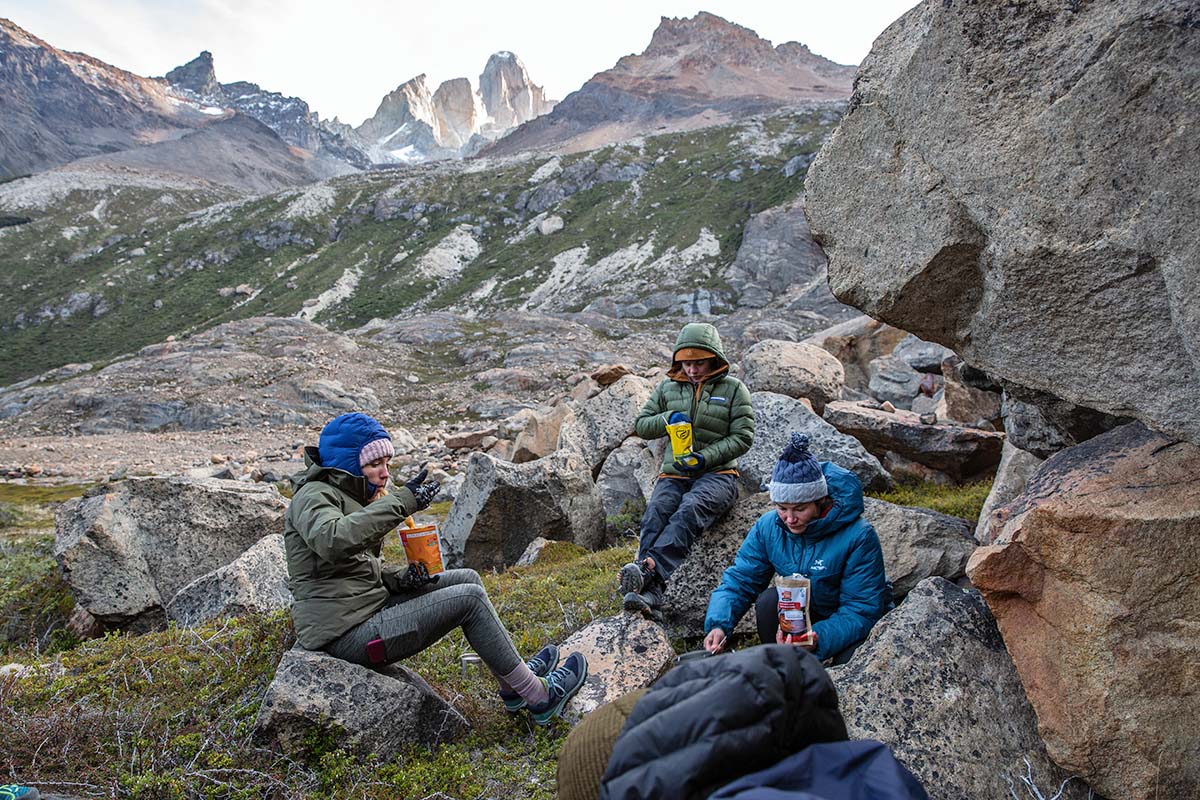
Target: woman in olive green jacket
351,605
693,492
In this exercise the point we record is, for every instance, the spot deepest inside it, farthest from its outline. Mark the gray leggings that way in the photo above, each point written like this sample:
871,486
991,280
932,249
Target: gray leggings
410,622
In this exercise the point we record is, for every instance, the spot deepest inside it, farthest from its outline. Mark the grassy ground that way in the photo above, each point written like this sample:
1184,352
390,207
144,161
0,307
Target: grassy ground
957,501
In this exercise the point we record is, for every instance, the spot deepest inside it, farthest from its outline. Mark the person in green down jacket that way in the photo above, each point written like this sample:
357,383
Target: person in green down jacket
693,491
352,606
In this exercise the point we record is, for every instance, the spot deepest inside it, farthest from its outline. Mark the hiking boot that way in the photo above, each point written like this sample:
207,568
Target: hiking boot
634,576
11,791
562,684
647,602
542,665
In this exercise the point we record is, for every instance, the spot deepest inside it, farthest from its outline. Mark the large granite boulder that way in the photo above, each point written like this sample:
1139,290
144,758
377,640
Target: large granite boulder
961,454
1093,582
502,507
921,355
254,582
856,343
381,712
918,544
934,682
686,599
1043,424
893,380
776,417
966,403
1028,173
601,423
624,653
628,474
127,548
1016,467
539,436
794,369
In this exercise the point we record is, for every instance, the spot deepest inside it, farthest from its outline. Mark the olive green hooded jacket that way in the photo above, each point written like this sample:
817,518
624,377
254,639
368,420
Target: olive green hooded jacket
332,540
719,407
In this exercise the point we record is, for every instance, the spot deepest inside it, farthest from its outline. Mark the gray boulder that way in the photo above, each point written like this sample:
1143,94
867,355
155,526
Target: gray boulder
502,507
856,343
624,653
919,543
627,475
1016,467
795,369
1028,173
539,436
934,682
960,454
893,380
690,585
254,582
380,712
1042,424
602,422
776,417
127,548
921,355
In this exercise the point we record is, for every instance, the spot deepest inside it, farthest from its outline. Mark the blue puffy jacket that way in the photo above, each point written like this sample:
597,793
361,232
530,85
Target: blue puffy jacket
839,553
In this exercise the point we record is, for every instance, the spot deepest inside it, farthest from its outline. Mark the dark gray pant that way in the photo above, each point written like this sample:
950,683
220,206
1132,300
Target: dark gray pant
766,612
678,511
410,622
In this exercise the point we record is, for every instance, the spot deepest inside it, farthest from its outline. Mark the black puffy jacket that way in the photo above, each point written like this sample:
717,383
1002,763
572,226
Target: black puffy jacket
710,721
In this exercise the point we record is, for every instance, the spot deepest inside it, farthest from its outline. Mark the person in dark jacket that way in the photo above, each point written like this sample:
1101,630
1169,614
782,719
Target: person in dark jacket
352,606
692,492
816,530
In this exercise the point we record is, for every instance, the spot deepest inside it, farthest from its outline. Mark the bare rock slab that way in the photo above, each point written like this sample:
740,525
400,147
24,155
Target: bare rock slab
127,548
934,682
919,543
776,417
254,582
1016,467
369,711
502,507
1093,582
962,454
624,653
1021,171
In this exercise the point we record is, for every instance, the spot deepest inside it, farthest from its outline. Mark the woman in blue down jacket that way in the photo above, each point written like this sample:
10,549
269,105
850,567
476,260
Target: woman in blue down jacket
817,530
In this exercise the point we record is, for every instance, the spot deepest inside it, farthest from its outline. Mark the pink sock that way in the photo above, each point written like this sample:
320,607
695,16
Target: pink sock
525,683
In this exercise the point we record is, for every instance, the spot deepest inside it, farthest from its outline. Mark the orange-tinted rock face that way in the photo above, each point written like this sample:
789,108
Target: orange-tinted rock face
1093,583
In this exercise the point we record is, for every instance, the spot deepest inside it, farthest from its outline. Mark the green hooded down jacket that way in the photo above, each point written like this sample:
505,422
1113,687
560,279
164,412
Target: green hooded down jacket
332,539
719,407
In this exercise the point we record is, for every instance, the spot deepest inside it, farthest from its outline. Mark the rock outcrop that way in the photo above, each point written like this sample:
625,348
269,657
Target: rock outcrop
380,712
934,682
628,474
1027,171
127,548
918,544
502,507
602,422
1093,582
795,369
856,343
509,96
624,653
254,582
776,417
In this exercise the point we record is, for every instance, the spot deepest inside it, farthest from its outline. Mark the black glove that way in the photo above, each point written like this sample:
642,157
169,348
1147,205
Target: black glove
415,577
422,491
692,462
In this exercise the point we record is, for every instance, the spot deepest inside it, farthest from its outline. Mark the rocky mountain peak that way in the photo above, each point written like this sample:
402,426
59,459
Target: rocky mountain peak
509,95
197,76
717,37
458,112
408,103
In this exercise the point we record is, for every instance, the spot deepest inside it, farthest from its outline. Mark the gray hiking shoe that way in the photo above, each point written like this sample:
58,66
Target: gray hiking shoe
541,665
647,602
634,576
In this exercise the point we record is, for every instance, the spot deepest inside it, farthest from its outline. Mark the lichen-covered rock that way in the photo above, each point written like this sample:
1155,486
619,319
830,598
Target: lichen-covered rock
1093,582
127,548
918,544
602,422
256,581
795,369
502,507
624,653
962,454
380,712
934,682
1027,172
776,417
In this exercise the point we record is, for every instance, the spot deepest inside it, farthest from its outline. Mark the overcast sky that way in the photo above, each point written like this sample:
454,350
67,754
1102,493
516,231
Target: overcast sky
343,57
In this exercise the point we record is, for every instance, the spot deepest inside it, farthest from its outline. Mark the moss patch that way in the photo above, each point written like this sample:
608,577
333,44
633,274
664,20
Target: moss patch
957,501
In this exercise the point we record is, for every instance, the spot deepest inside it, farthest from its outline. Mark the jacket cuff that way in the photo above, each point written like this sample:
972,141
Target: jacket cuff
408,503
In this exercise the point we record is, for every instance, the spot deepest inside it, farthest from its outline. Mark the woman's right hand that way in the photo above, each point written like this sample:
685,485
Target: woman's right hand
714,642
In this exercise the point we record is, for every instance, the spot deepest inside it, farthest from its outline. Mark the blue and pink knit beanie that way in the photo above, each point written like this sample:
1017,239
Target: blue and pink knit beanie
797,477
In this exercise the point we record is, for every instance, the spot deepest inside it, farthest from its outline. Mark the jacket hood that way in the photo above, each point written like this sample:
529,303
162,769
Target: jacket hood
354,485
704,336
344,437
846,490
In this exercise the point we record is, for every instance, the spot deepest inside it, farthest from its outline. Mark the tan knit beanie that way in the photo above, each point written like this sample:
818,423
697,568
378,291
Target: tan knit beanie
585,753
